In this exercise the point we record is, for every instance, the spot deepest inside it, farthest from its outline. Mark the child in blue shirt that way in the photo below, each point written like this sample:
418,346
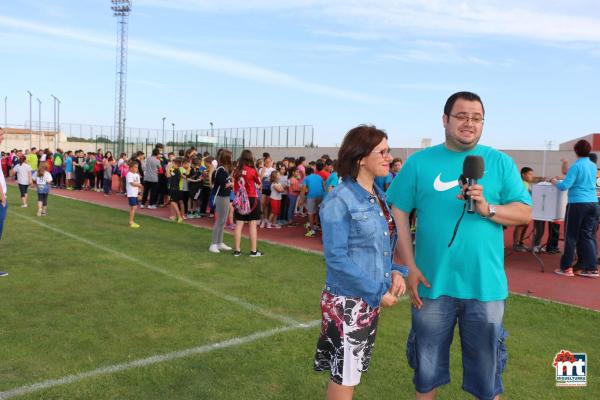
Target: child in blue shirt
313,192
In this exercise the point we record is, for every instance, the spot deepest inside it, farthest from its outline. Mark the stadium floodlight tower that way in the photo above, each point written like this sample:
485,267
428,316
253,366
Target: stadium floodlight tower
121,9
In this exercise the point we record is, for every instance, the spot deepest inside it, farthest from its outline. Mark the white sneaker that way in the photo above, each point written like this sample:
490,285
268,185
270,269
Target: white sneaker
262,224
142,206
23,205
39,213
151,207
223,246
214,248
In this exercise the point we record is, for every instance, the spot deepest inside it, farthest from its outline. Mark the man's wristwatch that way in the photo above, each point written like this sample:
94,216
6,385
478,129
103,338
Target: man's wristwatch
491,211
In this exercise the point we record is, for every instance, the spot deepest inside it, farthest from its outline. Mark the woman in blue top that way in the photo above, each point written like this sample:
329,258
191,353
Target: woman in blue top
582,214
359,235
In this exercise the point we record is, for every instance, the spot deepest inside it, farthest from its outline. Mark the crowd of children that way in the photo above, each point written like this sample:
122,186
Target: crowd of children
288,192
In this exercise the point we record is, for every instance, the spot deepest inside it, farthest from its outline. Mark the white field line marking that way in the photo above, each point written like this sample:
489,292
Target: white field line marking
290,246
216,293
143,362
273,242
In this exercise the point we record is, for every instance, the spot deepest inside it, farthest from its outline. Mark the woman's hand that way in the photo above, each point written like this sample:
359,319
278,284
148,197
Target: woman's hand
388,300
398,285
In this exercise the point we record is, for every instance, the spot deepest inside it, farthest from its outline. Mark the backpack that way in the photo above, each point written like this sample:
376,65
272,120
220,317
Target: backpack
58,161
241,202
214,192
123,170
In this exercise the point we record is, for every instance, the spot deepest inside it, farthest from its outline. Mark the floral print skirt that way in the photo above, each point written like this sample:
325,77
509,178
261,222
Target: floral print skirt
345,345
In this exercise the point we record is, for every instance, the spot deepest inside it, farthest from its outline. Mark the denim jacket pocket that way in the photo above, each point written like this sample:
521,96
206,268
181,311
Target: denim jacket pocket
363,222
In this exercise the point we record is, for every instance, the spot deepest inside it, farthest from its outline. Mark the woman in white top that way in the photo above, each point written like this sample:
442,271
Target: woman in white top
23,173
264,174
284,182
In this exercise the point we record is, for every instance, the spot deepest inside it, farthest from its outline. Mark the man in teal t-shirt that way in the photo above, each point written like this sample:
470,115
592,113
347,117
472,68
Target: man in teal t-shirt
463,282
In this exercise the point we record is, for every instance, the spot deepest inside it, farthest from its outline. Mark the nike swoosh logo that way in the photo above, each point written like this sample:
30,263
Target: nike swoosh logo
443,186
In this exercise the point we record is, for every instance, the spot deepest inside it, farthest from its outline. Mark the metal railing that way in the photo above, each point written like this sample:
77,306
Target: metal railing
144,139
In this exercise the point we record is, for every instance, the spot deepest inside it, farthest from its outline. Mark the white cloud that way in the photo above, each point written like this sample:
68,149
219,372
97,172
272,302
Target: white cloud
227,5
207,61
34,27
425,87
556,21
357,35
427,51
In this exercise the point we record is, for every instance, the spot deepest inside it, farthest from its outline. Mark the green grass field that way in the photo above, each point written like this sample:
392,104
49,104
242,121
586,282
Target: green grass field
86,292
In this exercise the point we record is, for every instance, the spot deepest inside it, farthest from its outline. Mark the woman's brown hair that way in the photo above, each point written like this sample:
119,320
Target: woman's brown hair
224,159
246,159
357,144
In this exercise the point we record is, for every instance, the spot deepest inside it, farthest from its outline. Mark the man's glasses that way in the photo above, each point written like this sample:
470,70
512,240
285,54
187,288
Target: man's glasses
477,119
384,153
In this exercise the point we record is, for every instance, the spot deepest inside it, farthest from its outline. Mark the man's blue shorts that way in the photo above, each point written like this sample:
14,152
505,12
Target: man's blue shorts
482,338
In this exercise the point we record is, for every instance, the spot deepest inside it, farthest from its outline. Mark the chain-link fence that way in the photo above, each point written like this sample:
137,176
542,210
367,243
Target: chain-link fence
210,139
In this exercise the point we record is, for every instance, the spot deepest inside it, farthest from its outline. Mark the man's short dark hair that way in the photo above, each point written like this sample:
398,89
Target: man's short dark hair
468,96
525,170
582,148
320,165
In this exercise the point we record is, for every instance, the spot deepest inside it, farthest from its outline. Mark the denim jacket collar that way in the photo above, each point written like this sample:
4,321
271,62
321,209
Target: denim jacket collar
361,192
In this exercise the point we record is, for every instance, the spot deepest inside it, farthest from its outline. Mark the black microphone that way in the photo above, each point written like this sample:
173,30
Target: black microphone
472,170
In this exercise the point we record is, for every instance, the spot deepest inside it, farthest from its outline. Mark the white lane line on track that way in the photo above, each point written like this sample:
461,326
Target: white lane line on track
143,362
207,289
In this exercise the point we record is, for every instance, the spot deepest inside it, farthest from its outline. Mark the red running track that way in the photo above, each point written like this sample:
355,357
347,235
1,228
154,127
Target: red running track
523,271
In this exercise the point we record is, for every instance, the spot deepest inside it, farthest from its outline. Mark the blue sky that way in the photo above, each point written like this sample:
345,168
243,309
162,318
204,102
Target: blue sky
333,64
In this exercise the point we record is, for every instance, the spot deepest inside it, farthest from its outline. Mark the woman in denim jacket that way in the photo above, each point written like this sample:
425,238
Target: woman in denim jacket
359,235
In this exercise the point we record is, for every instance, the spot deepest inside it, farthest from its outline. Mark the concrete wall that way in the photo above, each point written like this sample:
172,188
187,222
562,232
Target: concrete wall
523,158
529,158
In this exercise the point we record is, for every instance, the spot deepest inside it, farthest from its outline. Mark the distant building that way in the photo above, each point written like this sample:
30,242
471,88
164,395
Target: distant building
593,138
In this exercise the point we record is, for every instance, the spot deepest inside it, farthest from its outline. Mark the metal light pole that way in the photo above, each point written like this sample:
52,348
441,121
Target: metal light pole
39,122
211,129
163,139
173,124
57,121
54,112
121,9
54,127
30,130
